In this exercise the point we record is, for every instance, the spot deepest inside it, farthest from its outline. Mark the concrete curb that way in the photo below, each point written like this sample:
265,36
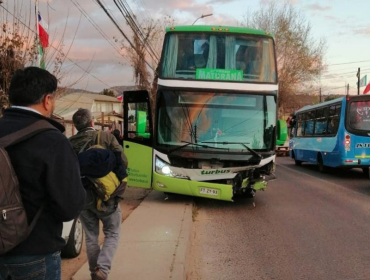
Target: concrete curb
154,242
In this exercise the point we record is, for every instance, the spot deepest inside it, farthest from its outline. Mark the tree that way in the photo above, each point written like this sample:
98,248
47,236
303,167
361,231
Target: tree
332,97
153,34
108,92
299,55
18,50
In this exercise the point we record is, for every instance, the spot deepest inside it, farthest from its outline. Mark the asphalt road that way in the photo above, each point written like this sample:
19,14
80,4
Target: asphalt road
306,225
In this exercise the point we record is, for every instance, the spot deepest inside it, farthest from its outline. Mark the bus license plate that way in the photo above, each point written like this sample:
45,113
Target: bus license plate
208,191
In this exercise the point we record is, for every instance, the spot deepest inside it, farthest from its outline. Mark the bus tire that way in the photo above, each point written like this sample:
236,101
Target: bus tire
366,172
296,161
320,164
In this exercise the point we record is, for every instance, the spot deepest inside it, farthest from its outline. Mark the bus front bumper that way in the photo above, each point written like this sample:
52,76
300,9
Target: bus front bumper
193,188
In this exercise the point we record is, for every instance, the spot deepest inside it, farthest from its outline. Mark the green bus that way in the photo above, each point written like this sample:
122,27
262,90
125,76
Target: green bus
214,127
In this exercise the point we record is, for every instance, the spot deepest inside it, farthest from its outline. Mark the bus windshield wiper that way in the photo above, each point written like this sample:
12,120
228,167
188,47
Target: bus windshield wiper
238,143
195,144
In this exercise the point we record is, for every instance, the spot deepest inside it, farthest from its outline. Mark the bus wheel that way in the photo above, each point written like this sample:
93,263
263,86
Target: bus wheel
366,171
296,161
320,163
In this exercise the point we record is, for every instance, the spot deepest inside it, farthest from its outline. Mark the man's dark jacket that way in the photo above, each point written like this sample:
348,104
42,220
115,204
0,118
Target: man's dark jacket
48,171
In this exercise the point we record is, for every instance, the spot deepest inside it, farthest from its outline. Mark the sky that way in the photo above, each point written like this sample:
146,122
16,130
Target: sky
94,62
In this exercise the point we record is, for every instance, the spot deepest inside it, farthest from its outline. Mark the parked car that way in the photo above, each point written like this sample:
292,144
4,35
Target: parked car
73,234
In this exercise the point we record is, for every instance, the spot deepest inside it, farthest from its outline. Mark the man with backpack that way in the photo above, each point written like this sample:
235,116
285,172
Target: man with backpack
96,151
45,184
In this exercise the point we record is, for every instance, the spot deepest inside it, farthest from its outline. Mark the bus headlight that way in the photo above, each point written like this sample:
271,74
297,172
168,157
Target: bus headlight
163,168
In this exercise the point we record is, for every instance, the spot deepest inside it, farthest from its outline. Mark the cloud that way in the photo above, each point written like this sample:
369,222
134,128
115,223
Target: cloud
362,31
336,20
63,18
317,7
211,2
186,11
293,2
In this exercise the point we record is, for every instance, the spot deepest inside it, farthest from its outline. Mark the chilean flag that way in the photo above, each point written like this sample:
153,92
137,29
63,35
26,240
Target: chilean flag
43,34
120,98
367,89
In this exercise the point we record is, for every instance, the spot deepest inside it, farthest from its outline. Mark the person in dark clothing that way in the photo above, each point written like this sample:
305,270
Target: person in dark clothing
100,259
48,174
117,134
292,124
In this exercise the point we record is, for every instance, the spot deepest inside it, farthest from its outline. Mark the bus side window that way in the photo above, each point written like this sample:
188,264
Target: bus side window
300,128
338,108
309,127
333,120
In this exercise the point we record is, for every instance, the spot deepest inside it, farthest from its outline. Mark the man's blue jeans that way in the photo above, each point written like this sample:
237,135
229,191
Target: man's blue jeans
32,267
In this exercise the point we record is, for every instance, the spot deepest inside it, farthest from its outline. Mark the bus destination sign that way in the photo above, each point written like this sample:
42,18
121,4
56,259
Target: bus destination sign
219,74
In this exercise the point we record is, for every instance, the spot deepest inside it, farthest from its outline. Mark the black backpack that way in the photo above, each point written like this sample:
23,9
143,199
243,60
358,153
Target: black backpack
14,226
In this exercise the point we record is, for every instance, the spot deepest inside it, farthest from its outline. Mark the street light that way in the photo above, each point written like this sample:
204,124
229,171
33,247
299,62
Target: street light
203,16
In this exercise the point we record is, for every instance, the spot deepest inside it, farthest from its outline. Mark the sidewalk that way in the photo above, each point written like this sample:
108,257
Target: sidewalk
154,241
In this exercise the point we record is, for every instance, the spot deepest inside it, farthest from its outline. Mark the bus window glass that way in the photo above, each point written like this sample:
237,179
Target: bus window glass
218,56
216,117
319,113
311,115
332,110
338,108
299,128
326,112
359,115
333,124
309,128
138,124
320,126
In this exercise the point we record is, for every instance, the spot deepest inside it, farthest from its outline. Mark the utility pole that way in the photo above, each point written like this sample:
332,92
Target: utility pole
358,81
320,96
347,89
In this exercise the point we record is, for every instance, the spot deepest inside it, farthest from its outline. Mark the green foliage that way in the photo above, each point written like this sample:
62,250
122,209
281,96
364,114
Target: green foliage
108,92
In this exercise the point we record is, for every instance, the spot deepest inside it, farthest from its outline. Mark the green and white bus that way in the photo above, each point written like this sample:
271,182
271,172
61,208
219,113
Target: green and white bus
214,126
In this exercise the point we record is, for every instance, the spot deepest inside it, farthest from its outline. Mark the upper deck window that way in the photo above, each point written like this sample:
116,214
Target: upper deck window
219,57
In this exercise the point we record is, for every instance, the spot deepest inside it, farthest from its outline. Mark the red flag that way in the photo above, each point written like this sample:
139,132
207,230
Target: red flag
120,98
367,89
43,32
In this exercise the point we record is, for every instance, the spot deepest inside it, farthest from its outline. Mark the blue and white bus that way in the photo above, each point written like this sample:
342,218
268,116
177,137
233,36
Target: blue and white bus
334,133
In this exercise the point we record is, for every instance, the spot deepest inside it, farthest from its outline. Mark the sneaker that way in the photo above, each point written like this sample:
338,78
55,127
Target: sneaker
98,275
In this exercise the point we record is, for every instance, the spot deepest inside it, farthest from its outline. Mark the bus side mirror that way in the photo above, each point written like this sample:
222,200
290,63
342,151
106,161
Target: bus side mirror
282,132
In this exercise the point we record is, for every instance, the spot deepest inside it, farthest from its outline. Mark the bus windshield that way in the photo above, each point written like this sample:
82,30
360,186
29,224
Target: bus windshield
359,117
218,118
219,57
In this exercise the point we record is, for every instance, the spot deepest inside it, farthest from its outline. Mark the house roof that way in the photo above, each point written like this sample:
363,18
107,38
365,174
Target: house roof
67,105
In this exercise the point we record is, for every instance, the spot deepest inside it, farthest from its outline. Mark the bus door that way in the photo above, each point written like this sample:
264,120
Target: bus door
138,138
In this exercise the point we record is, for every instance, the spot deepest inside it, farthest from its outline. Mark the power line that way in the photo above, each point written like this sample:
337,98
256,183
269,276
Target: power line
96,26
130,19
145,40
123,33
343,69
53,46
349,62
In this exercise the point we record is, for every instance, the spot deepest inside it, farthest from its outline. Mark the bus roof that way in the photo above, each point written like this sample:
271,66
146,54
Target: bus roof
217,28
310,107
